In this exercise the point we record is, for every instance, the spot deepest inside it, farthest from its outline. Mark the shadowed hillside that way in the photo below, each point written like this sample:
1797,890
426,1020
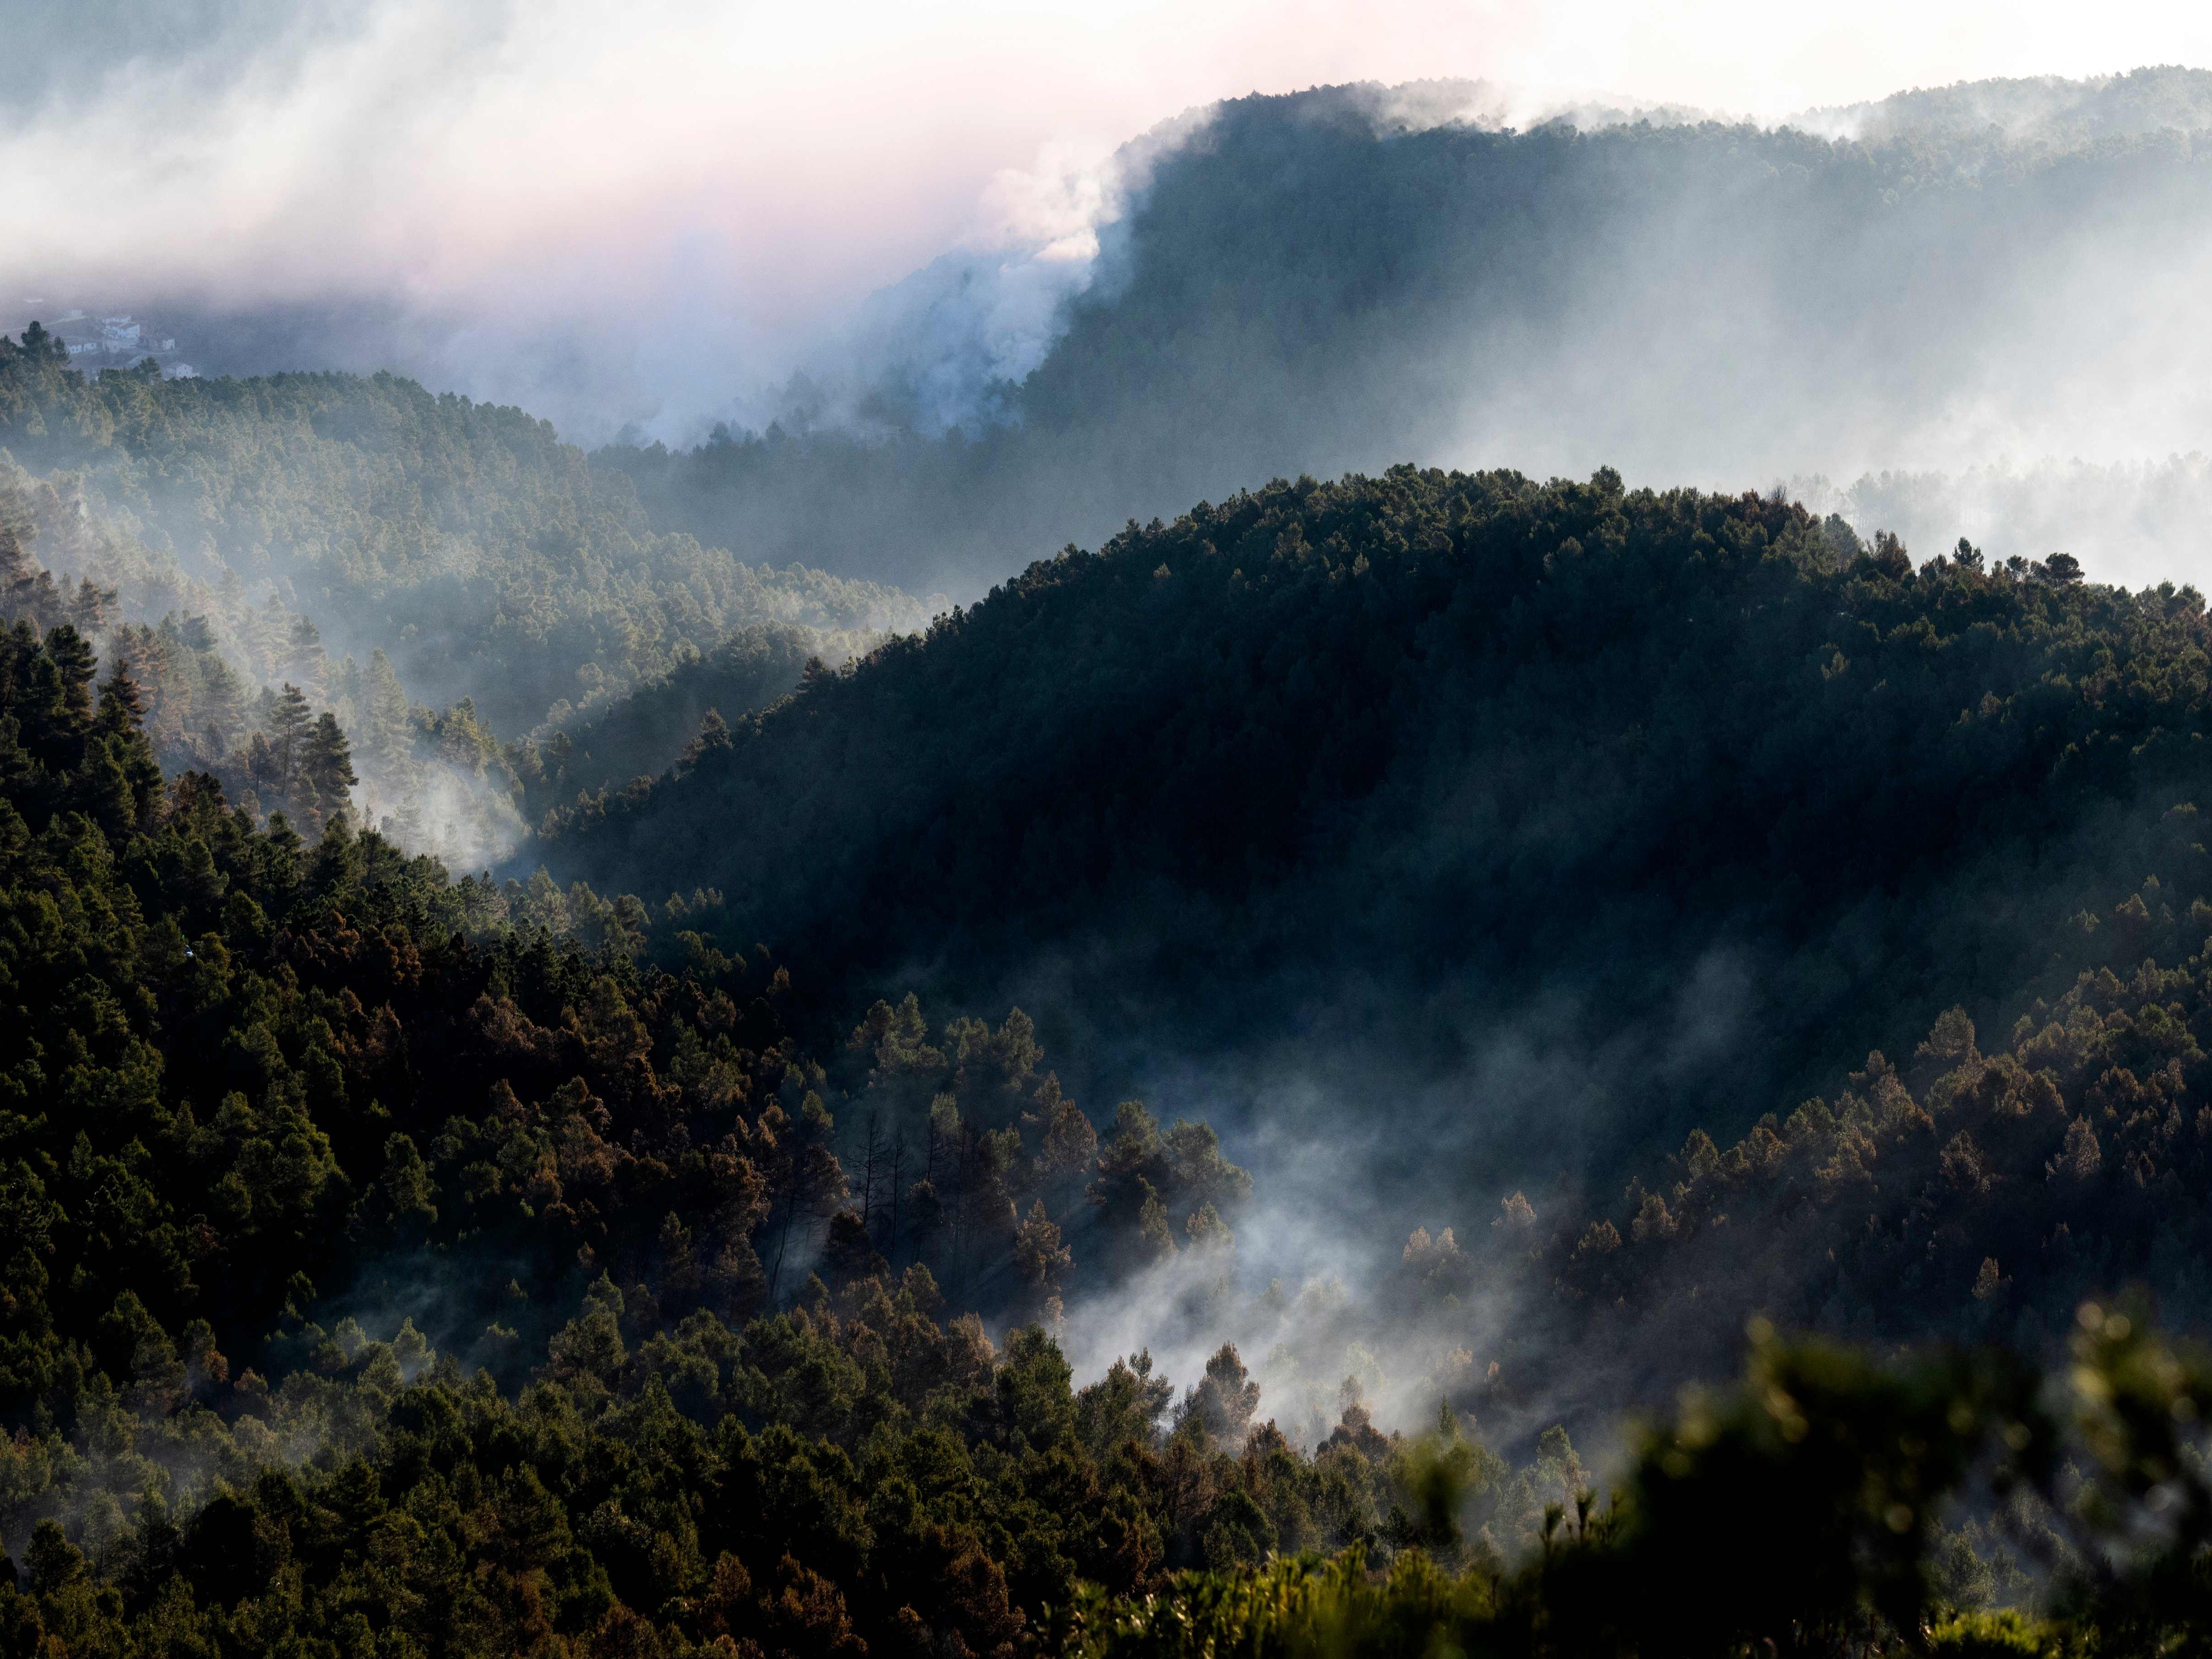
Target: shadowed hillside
1389,761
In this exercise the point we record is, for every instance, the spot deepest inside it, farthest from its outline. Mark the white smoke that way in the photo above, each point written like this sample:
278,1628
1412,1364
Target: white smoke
636,224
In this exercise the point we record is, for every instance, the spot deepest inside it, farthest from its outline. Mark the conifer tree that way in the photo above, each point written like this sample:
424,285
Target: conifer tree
1224,1400
289,722
386,741
220,702
19,528
122,706
326,766
305,661
73,663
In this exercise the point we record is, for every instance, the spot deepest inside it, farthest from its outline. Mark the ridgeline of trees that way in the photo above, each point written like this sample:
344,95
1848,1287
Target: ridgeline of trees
1802,1513
394,1265
239,1066
1972,1196
240,1063
234,689
385,512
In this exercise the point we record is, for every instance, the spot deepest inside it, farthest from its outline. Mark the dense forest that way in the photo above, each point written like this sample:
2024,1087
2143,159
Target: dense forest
1456,752
239,1062
342,591
485,557
665,1362
644,732
1311,282
622,1257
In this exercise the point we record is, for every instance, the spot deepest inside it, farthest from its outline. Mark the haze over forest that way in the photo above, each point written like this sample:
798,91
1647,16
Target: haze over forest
1411,862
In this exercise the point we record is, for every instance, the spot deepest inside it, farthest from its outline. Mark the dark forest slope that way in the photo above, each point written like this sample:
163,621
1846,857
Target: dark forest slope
1399,757
644,732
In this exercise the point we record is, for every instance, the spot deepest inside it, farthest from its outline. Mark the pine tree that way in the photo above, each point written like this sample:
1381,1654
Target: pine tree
73,662
19,528
1224,1400
122,706
230,598
389,740
265,632
804,1180
89,605
305,659
40,346
713,735
348,698
289,726
126,781
261,771
1040,1258
220,703
326,771
1071,1144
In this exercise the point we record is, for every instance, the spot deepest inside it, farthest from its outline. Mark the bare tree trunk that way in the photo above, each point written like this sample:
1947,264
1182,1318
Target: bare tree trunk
898,1167
869,1148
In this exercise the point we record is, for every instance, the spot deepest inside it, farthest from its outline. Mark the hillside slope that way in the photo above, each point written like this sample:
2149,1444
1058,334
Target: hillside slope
645,731
394,1262
483,556
1397,762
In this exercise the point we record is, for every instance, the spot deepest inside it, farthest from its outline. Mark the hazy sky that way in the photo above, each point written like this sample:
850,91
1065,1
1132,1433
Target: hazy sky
784,159
645,217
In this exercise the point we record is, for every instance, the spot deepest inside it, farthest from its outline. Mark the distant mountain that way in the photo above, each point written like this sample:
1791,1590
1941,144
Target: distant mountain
2044,110
466,541
1350,276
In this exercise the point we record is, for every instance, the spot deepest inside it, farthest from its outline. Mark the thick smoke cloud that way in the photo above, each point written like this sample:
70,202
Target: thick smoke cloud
2004,276
652,225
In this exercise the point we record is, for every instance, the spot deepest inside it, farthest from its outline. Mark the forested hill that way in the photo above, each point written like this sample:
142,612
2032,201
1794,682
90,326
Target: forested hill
480,553
1705,769
1311,282
399,1266
647,730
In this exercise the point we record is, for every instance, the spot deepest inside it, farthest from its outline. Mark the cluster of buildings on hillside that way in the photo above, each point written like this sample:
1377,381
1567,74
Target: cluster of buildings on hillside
96,342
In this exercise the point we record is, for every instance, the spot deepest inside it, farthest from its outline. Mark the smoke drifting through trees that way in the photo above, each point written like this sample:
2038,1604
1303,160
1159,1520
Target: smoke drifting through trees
1453,273
1583,1096
1519,875
268,550
741,1251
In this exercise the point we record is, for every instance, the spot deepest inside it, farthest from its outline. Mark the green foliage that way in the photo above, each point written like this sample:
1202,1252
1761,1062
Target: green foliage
241,1065
848,1472
235,1063
685,1342
1792,1514
1977,1195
